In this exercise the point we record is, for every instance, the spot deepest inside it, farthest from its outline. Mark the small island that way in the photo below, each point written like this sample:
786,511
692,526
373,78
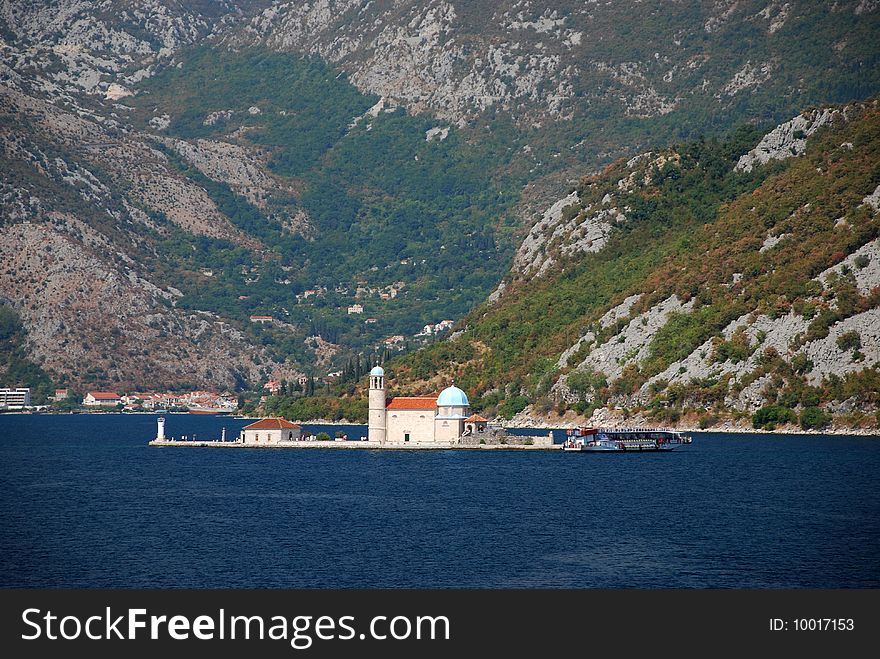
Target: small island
443,422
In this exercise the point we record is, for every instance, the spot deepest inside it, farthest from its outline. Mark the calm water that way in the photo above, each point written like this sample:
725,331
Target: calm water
87,503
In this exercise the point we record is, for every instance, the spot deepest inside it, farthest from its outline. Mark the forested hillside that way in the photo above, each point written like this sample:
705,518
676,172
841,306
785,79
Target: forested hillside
365,196
716,276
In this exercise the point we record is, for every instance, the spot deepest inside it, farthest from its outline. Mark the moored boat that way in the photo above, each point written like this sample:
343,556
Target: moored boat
621,440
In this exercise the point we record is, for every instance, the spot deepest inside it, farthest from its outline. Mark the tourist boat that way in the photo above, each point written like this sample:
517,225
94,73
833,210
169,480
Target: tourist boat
620,440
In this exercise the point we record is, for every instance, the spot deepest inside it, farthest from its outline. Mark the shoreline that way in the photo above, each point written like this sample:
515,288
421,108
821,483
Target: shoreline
721,430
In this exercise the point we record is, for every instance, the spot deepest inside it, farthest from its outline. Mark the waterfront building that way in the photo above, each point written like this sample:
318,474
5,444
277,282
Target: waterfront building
271,431
15,398
60,394
99,398
475,424
415,419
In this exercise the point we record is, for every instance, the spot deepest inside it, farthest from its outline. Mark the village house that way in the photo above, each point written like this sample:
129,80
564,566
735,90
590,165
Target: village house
267,432
130,400
355,308
101,398
431,329
157,401
261,319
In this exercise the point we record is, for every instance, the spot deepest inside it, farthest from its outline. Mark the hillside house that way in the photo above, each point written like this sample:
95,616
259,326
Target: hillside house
101,398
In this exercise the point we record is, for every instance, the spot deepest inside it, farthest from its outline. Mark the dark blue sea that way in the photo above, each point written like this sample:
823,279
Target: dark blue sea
86,503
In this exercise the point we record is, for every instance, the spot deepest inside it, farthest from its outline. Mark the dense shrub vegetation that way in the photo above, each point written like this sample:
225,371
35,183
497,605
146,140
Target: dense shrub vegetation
16,369
384,203
695,231
773,415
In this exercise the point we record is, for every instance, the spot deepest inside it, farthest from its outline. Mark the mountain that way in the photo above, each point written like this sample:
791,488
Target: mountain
714,279
171,169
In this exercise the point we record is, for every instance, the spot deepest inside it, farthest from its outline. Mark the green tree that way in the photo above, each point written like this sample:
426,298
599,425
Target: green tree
770,416
814,418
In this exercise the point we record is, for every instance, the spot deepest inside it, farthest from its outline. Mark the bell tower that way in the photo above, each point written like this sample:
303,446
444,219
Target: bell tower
377,414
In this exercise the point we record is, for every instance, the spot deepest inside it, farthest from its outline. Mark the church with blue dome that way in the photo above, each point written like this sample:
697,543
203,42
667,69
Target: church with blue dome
415,419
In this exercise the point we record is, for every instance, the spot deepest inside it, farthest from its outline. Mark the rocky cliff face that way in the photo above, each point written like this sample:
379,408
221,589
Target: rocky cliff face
783,335
91,313
457,60
454,60
81,196
773,299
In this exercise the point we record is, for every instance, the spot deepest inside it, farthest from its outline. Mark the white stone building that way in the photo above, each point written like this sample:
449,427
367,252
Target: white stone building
15,398
415,419
270,431
99,398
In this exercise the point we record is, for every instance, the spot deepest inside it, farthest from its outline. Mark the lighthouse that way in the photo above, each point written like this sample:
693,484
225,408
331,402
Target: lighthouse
160,429
377,415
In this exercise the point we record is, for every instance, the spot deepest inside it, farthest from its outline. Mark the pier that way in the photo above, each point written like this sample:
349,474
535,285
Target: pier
283,437
356,445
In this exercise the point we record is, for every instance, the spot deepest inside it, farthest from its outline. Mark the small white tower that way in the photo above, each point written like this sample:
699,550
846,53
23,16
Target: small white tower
160,430
377,417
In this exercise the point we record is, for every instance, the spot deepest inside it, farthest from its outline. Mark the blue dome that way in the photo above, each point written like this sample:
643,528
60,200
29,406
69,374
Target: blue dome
377,370
452,397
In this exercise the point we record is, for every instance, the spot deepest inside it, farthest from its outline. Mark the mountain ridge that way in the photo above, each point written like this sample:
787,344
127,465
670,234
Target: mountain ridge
231,211
771,296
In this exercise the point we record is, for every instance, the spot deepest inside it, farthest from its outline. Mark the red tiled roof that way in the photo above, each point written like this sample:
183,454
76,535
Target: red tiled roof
98,395
476,418
271,424
412,403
